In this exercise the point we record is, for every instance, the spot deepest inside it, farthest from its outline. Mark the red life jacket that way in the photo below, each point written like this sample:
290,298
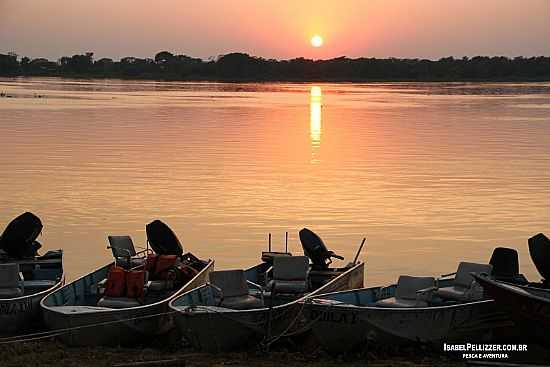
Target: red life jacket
165,263
135,282
151,263
116,282
187,273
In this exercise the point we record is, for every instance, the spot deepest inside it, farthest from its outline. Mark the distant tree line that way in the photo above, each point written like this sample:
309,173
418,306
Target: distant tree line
243,67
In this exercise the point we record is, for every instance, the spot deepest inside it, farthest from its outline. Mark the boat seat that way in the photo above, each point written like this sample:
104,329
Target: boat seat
11,281
410,292
124,251
290,274
464,288
122,246
234,290
118,302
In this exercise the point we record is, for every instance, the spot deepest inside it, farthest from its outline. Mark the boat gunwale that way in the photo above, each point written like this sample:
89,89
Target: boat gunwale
183,309
503,286
209,265
384,309
44,293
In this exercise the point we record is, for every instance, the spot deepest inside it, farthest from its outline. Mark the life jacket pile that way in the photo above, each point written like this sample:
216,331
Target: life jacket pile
169,268
131,283
125,283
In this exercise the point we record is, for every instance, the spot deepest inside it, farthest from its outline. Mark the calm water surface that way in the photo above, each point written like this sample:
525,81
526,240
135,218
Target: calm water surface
430,173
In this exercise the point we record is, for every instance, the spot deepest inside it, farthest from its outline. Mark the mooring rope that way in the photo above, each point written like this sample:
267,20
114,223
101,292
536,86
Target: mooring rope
256,326
62,331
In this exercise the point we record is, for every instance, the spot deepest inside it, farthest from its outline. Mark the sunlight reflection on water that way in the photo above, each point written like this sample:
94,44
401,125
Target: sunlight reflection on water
430,173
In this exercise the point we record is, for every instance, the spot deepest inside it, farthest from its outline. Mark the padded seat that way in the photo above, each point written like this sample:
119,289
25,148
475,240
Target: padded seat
407,292
290,274
11,281
118,302
122,246
234,290
124,251
464,288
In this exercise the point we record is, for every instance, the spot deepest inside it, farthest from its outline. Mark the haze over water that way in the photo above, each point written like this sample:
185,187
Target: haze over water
431,173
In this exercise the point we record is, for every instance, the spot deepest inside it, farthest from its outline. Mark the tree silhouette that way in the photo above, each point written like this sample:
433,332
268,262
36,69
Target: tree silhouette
238,66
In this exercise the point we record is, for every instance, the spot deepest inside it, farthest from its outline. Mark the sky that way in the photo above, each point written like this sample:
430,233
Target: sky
276,29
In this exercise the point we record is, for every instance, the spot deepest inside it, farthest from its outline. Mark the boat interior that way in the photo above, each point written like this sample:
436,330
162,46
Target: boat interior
279,279
23,271
539,250
24,277
134,278
420,292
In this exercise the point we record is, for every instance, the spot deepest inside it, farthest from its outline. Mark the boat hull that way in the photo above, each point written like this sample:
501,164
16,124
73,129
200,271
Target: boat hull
217,329
345,328
23,314
529,308
111,327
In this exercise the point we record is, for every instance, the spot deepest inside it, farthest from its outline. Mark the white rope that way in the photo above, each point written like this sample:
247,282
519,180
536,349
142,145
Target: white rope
57,332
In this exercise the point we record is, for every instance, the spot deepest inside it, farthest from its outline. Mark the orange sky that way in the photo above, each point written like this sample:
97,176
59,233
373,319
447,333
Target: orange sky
278,29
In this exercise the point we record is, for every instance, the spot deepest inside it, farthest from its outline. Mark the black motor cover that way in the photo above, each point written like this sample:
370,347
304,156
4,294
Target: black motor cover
18,239
539,249
162,239
315,248
505,262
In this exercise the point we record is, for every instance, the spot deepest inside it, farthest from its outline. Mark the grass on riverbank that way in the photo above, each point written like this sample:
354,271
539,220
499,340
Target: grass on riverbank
50,353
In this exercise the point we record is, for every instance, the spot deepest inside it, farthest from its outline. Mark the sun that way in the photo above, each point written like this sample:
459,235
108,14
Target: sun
316,41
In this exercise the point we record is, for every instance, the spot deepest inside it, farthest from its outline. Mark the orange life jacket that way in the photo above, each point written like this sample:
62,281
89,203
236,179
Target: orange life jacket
187,273
135,282
165,263
116,282
150,263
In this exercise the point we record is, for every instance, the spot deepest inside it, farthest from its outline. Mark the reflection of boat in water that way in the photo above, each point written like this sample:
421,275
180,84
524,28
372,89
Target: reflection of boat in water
25,277
126,302
416,309
261,304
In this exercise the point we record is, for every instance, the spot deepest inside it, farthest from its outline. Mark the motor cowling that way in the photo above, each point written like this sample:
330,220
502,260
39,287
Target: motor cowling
539,249
19,238
162,239
316,250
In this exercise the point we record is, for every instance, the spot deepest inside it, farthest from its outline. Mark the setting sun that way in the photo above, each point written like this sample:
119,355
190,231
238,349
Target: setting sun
316,41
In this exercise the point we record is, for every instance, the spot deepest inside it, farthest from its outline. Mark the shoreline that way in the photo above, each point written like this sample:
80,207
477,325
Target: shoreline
276,80
50,353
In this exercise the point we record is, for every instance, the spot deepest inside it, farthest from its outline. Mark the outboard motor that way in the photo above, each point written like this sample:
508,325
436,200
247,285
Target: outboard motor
539,249
505,262
315,249
19,237
162,239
